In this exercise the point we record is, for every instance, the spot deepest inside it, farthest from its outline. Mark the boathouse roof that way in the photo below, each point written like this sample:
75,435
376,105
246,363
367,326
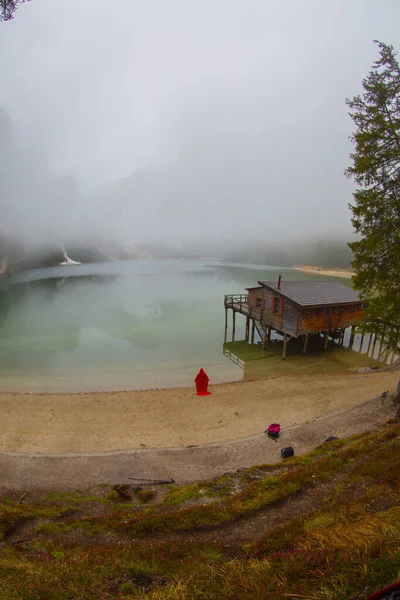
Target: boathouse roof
313,293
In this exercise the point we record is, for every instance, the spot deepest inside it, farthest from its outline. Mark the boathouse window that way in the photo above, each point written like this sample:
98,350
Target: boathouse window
259,303
329,310
277,305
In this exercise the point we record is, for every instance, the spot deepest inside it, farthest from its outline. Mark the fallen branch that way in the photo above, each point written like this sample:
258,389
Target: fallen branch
153,481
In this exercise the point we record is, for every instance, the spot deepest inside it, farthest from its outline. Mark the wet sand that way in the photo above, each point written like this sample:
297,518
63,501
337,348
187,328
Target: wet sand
161,418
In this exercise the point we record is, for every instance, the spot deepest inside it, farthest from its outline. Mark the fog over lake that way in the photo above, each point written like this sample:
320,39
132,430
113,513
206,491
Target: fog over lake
134,324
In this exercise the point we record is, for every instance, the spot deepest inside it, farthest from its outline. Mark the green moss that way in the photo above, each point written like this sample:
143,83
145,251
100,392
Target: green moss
127,588
77,497
57,528
12,513
182,494
215,488
346,548
145,495
113,497
319,522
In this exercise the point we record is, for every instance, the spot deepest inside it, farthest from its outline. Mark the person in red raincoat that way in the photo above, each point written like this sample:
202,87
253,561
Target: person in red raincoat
201,381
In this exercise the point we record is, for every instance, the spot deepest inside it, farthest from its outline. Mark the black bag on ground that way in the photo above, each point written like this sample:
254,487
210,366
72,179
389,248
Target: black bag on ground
273,434
287,452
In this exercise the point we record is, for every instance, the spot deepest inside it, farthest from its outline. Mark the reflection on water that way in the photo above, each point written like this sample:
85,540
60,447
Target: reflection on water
256,362
134,324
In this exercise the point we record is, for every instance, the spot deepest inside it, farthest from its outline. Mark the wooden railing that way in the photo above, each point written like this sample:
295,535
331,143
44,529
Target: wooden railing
234,358
231,299
240,302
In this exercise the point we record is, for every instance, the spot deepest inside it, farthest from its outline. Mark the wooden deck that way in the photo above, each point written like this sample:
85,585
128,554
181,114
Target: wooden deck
240,303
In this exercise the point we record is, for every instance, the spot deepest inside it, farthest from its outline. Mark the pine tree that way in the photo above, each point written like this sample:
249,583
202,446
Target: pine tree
376,210
8,8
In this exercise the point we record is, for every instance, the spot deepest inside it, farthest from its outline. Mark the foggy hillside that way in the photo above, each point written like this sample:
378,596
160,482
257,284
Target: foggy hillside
197,129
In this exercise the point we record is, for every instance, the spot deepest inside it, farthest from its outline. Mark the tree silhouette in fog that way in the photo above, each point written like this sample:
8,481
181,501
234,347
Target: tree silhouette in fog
8,8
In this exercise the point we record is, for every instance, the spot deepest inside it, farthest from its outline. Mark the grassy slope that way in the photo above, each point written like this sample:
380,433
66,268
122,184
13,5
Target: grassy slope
322,526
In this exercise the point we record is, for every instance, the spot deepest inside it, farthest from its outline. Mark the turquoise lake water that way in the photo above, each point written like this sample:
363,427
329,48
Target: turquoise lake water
124,325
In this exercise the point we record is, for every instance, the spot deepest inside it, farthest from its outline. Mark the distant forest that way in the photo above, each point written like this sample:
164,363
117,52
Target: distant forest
321,253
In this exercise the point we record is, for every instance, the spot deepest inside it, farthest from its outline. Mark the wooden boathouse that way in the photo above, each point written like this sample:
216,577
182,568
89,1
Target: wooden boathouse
296,309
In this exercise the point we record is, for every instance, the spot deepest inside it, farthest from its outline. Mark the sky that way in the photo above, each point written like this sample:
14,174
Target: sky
186,119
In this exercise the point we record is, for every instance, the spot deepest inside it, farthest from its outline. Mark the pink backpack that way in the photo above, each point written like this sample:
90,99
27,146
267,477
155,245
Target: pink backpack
274,427
273,431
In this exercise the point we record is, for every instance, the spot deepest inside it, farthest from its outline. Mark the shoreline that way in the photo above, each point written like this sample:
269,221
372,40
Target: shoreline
87,422
325,271
32,472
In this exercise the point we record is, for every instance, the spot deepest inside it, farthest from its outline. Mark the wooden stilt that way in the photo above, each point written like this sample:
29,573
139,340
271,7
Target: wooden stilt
362,341
373,345
382,341
389,343
284,346
265,337
226,324
253,329
247,329
352,332
326,339
396,345
269,333
369,343
233,325
305,343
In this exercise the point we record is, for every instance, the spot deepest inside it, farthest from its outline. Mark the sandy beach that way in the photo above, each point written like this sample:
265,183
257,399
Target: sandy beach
325,271
161,418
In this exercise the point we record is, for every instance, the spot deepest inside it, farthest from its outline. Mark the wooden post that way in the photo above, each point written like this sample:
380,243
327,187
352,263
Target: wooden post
389,342
396,344
305,343
326,340
269,333
382,341
253,328
352,331
284,346
247,329
369,343
226,324
373,345
361,343
233,325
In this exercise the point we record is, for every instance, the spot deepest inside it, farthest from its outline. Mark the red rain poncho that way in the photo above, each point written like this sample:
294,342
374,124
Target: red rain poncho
201,381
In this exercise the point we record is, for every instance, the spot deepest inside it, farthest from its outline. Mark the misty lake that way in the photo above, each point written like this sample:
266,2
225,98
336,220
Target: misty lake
122,325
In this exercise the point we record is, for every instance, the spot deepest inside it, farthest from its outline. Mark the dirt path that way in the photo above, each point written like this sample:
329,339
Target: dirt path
25,472
172,418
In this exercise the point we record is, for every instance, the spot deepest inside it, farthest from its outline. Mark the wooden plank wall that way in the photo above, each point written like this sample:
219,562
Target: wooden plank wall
273,320
297,321
313,319
290,318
